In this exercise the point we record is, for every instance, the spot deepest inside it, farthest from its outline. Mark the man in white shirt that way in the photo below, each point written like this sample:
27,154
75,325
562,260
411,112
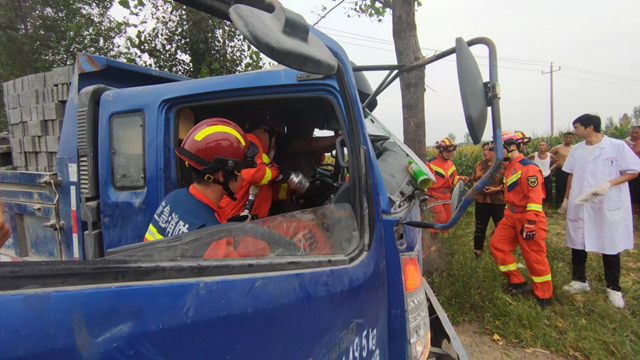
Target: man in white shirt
634,185
546,162
597,204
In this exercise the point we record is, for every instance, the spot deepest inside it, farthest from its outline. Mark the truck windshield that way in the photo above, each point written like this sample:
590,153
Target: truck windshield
376,128
327,230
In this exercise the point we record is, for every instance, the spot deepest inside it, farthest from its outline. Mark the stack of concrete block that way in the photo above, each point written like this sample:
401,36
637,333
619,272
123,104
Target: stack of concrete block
35,109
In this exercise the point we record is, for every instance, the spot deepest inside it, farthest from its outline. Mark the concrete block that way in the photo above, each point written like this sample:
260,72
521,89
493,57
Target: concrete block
18,85
27,98
10,88
42,159
49,111
17,130
19,159
29,144
26,113
37,81
39,96
42,140
32,159
60,112
57,125
15,101
5,92
15,116
65,92
48,94
32,168
36,128
53,161
16,144
52,143
48,78
61,75
55,94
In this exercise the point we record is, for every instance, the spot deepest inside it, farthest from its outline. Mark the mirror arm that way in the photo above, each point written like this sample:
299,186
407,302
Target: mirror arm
496,121
381,87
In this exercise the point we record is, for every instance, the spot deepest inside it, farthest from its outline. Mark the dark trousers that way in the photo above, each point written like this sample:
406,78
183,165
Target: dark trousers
611,268
561,185
484,212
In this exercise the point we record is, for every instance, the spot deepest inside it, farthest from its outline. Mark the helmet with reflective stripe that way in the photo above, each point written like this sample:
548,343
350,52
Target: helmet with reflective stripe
446,144
217,144
510,138
524,137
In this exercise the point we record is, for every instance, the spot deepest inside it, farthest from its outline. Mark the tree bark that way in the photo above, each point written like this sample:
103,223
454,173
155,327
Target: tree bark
412,85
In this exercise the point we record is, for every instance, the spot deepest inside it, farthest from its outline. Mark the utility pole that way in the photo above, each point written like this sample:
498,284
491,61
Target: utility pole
550,72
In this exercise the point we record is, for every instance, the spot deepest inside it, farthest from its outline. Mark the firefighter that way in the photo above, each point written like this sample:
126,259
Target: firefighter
263,135
446,177
216,150
524,223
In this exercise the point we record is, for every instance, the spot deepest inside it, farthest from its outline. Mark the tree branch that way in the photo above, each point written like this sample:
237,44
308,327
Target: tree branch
385,3
327,13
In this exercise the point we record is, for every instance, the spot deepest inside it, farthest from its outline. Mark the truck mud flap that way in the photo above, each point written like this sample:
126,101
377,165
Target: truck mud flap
441,329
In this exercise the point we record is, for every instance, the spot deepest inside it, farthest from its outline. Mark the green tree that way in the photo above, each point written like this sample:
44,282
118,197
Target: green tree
407,46
172,37
636,115
38,35
452,136
467,138
610,124
625,120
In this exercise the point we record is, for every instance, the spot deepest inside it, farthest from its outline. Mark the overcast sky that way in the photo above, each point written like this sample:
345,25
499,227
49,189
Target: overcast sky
595,43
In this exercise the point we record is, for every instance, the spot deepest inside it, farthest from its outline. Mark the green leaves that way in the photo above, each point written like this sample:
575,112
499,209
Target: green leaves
124,4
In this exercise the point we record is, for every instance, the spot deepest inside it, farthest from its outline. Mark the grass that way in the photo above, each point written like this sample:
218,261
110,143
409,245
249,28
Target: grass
581,326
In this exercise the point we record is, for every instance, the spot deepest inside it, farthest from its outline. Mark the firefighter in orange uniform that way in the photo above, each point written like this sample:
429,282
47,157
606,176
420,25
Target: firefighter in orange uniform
524,223
525,141
446,177
264,175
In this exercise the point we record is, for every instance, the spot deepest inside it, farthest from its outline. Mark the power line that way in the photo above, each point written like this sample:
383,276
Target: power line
600,81
526,62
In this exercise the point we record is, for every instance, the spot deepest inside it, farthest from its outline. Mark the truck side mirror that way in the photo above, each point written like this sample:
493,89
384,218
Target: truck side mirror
284,36
472,92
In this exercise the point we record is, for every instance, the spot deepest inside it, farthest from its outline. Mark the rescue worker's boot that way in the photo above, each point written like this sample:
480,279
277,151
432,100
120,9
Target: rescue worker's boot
544,303
514,289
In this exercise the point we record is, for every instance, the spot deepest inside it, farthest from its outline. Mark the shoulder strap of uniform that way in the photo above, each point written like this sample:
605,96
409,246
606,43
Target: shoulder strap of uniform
525,162
430,160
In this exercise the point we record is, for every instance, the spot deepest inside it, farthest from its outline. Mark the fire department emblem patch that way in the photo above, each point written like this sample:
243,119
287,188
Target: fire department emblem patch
533,181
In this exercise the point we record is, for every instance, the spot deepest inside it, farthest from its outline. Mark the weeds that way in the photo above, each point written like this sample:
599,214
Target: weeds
583,326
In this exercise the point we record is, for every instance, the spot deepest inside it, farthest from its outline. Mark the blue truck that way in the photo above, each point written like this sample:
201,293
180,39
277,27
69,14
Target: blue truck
90,288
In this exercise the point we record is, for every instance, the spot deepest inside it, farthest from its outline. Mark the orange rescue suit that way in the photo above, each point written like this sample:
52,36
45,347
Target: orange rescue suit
446,177
262,175
524,191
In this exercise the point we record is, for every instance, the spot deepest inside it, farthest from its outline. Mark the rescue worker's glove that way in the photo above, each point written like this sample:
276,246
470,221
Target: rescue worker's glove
239,218
563,208
283,177
601,189
528,230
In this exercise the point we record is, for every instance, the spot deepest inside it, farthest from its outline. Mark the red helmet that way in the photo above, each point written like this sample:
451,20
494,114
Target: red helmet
509,137
524,137
217,144
446,144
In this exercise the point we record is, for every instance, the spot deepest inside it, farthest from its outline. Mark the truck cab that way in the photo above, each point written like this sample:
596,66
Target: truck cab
363,298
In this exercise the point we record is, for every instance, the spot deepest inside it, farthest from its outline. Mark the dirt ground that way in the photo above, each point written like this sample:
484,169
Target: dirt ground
480,346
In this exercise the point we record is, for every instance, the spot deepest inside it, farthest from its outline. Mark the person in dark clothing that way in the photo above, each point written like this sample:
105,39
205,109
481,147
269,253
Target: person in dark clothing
562,152
490,203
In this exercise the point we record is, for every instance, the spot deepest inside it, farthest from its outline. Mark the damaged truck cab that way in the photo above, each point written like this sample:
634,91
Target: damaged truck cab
359,294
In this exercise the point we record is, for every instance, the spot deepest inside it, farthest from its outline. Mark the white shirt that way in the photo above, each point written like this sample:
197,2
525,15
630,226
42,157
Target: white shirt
604,224
543,164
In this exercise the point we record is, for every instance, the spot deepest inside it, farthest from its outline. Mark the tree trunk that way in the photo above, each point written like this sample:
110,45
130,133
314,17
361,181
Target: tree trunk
412,85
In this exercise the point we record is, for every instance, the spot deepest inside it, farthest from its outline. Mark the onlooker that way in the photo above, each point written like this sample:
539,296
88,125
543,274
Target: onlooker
561,152
546,162
489,203
634,185
5,231
598,211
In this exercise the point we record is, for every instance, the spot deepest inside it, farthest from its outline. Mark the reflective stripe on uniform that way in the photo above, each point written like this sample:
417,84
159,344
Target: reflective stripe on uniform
283,192
514,177
152,234
266,159
438,170
453,168
218,128
509,267
267,177
534,207
541,278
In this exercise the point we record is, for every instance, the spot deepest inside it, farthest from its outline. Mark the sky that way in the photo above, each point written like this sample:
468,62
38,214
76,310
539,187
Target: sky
593,42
